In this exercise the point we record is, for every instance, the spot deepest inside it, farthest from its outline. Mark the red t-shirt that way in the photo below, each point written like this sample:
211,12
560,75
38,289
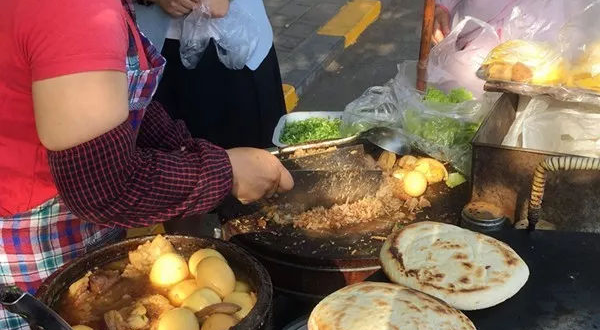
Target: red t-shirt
41,39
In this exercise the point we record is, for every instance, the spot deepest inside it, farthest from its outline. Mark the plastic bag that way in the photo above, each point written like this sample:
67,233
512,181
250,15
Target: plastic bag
380,105
549,125
235,36
539,20
443,131
527,62
580,39
454,62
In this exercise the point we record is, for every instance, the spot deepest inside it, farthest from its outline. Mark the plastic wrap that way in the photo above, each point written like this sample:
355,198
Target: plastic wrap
235,36
555,126
580,39
567,69
529,62
453,64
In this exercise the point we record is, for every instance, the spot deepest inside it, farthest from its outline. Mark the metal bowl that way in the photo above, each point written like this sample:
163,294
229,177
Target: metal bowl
242,263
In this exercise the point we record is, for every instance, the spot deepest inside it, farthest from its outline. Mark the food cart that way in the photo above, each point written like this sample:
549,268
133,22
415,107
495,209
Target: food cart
562,292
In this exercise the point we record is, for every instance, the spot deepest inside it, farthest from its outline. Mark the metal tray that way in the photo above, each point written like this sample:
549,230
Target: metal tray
503,175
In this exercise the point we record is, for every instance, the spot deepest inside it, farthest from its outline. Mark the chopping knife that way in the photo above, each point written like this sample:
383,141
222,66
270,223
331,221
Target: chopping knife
326,188
346,158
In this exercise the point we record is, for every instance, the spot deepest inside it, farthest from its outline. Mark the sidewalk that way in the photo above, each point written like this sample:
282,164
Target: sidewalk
310,34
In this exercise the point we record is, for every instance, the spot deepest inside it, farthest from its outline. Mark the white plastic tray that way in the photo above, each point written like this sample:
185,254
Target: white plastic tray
301,115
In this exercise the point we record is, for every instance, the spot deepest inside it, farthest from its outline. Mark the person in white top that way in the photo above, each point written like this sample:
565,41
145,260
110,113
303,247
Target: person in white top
227,107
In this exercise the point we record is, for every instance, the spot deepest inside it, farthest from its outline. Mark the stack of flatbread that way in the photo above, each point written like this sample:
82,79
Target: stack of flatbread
465,269
384,306
438,268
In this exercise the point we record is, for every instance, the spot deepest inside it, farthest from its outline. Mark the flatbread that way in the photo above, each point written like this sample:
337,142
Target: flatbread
465,269
385,306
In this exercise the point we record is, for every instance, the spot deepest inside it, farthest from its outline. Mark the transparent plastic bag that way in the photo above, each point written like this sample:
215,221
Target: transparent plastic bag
543,123
570,128
454,61
538,20
525,62
580,39
441,130
445,131
380,105
235,36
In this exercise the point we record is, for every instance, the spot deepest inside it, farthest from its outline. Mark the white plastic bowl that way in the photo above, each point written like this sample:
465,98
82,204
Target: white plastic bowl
301,115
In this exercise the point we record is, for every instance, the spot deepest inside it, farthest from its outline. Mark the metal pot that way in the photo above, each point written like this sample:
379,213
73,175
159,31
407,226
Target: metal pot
240,261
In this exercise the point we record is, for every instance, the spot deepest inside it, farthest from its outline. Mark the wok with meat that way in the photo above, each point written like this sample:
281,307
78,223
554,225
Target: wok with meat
157,288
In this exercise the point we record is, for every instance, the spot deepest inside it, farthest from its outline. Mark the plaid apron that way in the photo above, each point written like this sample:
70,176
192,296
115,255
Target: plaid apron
36,243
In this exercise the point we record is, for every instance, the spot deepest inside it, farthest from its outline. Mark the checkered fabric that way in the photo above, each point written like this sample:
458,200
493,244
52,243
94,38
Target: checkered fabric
38,242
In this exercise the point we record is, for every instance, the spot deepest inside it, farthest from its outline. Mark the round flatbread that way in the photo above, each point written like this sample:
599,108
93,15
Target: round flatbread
385,306
465,269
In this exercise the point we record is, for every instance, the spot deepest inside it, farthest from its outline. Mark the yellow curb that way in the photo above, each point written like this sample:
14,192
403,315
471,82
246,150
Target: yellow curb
352,20
290,96
152,230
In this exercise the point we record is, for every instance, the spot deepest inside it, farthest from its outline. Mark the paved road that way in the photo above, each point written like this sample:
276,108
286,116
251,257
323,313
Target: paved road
371,61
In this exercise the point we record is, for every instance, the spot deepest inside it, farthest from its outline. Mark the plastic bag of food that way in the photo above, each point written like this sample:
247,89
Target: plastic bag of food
453,63
235,36
529,62
443,126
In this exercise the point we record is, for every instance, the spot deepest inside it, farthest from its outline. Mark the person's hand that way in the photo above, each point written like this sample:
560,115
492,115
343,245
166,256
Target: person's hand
441,25
257,174
216,8
177,8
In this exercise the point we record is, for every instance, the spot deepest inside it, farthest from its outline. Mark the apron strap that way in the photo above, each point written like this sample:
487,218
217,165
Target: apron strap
138,43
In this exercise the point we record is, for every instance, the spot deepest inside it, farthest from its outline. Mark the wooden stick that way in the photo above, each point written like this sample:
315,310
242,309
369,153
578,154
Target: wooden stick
426,32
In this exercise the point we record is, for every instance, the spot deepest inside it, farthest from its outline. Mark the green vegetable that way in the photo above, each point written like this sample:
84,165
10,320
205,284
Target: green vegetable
309,130
457,95
438,130
441,131
455,179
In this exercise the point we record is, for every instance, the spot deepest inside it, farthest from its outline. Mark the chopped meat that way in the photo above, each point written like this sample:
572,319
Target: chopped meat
424,202
132,272
80,286
383,205
102,280
147,253
155,305
114,321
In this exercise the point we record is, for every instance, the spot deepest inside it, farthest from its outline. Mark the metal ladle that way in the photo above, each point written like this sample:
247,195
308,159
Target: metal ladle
389,139
37,314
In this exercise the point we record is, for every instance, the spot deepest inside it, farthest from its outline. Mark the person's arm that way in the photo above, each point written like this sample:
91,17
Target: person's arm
80,105
441,27
179,8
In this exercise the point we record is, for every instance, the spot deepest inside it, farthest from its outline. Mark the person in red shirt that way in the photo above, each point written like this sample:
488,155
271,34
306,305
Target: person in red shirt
84,152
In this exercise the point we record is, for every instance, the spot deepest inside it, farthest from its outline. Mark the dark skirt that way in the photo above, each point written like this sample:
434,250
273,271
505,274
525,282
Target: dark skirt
231,108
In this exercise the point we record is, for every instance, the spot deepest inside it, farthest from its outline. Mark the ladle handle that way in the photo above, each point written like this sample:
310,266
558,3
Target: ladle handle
553,164
38,315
